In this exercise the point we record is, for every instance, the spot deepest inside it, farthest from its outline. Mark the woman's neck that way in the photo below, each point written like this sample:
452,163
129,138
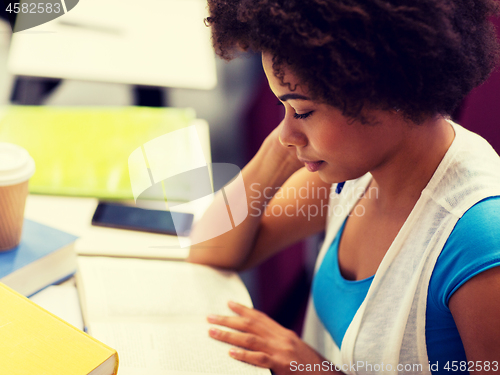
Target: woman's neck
400,181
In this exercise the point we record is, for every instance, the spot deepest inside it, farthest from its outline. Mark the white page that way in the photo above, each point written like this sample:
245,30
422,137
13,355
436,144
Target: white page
62,301
180,348
123,287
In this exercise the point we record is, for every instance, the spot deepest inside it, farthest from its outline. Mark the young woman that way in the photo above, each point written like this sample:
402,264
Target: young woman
407,280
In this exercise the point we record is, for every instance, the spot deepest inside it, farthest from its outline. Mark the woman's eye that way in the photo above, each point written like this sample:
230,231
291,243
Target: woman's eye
302,115
297,116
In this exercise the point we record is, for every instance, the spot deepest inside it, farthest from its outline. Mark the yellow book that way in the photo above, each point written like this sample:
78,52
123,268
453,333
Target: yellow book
35,342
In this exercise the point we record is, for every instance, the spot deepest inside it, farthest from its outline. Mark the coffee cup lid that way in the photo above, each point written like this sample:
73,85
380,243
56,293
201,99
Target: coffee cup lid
16,164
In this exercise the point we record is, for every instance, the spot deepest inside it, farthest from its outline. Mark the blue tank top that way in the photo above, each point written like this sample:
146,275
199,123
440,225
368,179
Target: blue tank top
472,247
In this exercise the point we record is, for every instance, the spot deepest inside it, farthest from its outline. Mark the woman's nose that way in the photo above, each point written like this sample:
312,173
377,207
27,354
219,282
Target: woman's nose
290,134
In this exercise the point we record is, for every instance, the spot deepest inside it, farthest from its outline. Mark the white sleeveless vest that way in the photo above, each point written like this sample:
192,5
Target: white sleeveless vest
389,328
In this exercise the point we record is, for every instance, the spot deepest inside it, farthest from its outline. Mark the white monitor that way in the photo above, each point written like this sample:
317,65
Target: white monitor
146,42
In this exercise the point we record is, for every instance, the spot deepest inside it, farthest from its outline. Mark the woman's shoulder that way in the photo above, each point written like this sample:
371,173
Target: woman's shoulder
472,247
478,227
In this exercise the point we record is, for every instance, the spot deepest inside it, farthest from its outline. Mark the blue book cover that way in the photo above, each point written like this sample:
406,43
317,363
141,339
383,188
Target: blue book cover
37,241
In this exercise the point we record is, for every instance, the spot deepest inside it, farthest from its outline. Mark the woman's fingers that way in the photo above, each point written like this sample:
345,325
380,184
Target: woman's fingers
248,320
238,323
267,324
254,358
261,341
240,309
243,340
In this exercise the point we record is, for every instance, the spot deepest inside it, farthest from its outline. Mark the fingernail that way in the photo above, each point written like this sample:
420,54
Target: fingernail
234,352
213,317
232,304
213,331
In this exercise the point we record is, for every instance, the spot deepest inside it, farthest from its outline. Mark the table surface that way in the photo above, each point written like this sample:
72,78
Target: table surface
74,215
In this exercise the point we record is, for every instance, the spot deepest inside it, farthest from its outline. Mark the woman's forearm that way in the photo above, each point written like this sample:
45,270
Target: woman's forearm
262,177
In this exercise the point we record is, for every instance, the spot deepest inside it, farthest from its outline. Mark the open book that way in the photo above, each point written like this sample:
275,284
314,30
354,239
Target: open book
154,313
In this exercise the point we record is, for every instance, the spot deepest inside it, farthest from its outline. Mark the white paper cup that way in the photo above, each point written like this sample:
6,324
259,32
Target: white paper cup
16,168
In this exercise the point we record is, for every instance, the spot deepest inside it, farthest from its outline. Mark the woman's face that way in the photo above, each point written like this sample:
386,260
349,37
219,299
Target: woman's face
335,146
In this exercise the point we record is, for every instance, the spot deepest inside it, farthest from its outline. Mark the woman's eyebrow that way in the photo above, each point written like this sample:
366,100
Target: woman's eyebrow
290,96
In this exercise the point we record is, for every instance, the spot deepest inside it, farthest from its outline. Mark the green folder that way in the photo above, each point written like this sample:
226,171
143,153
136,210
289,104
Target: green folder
82,151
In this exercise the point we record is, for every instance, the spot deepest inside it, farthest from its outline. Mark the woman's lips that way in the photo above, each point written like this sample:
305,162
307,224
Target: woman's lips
312,166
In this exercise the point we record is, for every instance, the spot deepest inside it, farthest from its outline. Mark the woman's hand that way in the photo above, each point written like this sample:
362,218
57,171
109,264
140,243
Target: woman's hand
263,342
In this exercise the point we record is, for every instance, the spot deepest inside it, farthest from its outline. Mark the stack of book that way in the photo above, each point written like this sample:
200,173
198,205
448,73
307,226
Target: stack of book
45,256
34,341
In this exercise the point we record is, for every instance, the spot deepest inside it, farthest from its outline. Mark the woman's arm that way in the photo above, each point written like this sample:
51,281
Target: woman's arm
475,307
267,228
